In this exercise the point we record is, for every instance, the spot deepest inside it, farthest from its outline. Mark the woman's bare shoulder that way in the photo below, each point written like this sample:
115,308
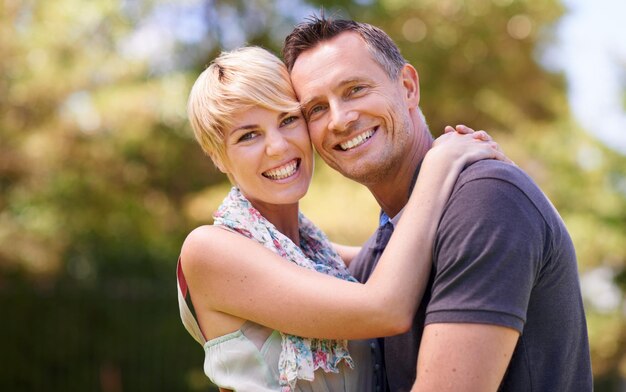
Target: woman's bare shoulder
207,240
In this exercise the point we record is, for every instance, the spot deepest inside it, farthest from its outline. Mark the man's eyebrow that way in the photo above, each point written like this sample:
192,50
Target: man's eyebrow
356,79
341,84
308,102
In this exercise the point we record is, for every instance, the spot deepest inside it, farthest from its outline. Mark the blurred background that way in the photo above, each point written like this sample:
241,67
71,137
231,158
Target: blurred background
101,180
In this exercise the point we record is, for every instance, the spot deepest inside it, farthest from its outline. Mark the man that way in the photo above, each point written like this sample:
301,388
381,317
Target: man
503,308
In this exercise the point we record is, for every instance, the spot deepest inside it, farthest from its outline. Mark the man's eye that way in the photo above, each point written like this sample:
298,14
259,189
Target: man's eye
356,89
288,120
316,109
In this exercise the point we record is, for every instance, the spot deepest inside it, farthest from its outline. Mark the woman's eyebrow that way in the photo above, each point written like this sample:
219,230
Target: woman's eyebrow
243,128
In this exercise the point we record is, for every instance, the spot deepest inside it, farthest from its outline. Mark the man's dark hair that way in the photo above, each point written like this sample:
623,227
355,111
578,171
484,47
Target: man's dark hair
316,29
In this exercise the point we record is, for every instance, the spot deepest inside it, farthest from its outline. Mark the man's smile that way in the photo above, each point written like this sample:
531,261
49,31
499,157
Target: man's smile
356,141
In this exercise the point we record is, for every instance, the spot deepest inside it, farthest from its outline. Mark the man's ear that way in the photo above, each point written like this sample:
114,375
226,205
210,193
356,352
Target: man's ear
411,83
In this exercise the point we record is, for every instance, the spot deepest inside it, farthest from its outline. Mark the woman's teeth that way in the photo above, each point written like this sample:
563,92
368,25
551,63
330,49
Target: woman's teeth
357,141
284,171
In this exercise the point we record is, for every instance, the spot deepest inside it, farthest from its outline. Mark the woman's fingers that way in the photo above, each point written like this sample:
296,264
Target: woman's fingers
480,135
463,129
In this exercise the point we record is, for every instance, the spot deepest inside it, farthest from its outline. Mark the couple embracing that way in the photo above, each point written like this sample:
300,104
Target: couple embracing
469,284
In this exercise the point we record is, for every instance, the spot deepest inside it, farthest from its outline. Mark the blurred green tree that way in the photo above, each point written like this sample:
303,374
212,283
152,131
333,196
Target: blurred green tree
93,146
95,164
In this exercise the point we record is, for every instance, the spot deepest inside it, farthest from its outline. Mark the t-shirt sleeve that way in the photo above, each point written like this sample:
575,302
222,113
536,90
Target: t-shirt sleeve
487,255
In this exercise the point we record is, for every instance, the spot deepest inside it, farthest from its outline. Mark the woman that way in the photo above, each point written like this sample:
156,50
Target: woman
245,271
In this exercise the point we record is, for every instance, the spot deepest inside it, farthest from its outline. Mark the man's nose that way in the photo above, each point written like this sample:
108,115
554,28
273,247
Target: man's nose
275,143
341,116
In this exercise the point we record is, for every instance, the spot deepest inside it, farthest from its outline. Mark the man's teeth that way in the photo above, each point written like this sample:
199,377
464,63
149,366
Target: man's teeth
282,172
357,141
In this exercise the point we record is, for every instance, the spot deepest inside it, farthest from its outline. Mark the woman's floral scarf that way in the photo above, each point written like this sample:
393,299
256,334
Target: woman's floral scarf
299,357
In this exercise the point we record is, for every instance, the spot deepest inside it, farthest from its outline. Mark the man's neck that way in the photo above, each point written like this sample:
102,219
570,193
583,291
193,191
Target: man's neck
393,193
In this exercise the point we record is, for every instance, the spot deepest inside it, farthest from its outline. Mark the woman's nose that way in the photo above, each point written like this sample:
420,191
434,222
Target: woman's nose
275,143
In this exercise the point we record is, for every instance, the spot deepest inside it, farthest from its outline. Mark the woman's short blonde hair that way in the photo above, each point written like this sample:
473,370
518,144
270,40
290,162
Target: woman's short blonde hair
236,81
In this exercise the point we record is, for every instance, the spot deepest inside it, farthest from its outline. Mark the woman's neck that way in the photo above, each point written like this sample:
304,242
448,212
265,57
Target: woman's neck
283,216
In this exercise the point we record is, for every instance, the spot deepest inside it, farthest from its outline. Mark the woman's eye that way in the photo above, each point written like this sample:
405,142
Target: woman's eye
246,136
288,120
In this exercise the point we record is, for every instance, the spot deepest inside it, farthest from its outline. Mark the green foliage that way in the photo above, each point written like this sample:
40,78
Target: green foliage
71,339
93,146
95,163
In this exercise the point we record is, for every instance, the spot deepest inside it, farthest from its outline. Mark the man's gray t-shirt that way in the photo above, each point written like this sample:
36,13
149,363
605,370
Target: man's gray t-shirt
502,256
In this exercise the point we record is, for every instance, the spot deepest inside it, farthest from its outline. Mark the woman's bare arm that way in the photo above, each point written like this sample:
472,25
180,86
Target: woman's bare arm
233,275
346,252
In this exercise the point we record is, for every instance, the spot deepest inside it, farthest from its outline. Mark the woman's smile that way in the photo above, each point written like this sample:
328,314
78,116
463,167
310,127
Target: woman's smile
284,171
